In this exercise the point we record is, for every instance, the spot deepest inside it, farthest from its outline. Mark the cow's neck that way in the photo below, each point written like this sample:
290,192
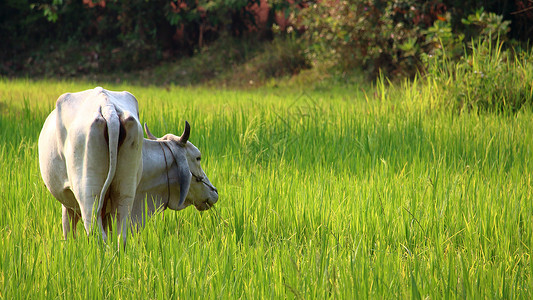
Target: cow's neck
155,188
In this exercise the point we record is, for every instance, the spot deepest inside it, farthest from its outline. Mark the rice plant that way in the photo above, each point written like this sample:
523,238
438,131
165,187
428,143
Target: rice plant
323,194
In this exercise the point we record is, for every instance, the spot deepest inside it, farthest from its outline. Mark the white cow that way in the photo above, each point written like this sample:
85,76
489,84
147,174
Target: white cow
93,156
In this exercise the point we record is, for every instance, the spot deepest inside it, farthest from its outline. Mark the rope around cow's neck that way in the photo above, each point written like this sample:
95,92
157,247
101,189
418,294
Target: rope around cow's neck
168,180
201,179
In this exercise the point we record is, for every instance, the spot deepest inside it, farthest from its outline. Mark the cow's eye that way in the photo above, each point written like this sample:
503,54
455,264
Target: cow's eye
198,158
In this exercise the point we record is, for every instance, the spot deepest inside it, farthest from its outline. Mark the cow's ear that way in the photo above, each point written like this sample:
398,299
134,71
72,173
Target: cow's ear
184,181
184,173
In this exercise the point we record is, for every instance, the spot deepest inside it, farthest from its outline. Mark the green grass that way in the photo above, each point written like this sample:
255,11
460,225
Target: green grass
324,193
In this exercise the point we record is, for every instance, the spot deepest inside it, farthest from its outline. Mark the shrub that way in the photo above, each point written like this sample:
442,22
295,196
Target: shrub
486,25
442,43
375,35
487,79
123,35
393,37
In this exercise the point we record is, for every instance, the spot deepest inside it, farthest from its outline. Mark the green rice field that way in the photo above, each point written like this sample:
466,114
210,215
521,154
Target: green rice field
325,193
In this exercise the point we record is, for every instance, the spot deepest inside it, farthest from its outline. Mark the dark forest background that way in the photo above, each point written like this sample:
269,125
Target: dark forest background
194,41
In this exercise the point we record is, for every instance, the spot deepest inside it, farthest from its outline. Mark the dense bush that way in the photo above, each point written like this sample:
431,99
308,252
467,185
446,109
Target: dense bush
519,12
487,79
442,43
394,36
374,35
111,35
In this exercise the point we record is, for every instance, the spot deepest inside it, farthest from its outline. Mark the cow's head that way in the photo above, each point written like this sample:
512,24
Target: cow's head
195,187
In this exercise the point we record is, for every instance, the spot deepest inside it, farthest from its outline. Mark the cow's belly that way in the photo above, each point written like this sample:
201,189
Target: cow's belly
56,181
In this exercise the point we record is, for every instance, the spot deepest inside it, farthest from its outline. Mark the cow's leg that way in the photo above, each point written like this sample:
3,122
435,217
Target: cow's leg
123,220
70,220
129,170
102,227
66,225
75,219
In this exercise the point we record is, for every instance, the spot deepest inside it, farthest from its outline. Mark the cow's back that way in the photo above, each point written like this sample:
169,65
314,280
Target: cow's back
81,109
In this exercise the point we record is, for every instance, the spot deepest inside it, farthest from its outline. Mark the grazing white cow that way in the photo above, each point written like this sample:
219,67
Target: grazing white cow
92,155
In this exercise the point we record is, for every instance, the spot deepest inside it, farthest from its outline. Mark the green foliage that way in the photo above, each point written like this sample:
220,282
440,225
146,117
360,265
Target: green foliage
518,12
442,42
393,37
122,35
487,78
375,35
486,26
49,9
76,38
445,45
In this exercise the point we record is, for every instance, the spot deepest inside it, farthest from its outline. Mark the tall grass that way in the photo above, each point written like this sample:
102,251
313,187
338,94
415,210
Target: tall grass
487,78
322,195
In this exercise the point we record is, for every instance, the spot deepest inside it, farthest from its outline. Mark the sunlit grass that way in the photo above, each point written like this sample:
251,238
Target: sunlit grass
323,194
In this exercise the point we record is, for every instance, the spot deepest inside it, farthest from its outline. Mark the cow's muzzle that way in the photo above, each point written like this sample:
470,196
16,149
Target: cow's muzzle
205,205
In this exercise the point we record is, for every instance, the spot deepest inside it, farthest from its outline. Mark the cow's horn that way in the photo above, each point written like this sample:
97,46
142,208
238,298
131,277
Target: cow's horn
185,136
148,133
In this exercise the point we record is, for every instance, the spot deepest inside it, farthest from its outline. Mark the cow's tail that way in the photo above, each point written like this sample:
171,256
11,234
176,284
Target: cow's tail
111,116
